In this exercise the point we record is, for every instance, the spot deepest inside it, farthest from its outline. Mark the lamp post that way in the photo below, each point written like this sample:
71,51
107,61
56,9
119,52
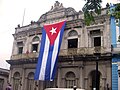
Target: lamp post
97,78
96,73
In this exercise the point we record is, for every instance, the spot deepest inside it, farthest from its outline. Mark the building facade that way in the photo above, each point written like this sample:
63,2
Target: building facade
82,48
115,37
4,75
118,75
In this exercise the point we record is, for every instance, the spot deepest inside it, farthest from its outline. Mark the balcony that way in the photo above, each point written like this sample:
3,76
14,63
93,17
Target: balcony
64,52
24,56
82,51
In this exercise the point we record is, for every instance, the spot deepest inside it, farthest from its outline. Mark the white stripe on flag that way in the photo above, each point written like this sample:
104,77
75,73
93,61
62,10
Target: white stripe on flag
54,54
45,56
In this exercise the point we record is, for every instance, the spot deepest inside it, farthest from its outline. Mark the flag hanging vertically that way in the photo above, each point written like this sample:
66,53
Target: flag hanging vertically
49,50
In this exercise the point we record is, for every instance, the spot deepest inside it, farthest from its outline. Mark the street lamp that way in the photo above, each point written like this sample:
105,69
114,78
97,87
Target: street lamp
96,73
74,87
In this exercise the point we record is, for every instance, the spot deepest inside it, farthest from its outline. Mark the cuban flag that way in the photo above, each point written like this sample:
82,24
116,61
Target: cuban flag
49,50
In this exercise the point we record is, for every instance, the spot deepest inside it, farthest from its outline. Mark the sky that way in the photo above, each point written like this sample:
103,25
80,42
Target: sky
11,14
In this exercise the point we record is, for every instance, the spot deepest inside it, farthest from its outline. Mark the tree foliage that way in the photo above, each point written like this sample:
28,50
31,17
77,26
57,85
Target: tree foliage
117,11
117,16
91,7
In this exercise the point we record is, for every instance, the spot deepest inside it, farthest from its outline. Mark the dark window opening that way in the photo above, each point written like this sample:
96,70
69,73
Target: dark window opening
35,47
70,80
30,81
16,81
93,79
72,43
97,41
20,43
20,50
1,83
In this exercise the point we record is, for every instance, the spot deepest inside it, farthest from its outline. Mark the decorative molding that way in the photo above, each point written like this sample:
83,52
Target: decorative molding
86,78
57,6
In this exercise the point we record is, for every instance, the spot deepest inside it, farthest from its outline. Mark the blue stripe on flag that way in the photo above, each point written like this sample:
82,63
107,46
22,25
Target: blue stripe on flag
48,65
37,72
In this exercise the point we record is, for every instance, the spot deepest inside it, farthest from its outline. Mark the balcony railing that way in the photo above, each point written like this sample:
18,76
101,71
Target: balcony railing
82,51
64,52
24,56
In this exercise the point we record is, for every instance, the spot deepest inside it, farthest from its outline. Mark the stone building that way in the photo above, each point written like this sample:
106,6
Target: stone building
82,48
4,75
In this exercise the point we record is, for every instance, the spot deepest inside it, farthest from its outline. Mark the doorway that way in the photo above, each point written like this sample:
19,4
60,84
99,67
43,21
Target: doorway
93,80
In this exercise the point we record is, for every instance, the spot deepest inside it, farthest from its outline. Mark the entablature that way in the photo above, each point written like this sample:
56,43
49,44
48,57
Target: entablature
74,24
95,27
33,25
30,32
67,58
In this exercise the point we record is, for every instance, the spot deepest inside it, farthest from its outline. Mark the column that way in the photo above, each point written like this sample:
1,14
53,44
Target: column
22,83
86,83
103,83
58,78
81,77
25,84
11,77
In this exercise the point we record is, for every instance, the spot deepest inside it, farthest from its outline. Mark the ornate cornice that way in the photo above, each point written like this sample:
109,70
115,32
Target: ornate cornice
22,61
4,72
83,58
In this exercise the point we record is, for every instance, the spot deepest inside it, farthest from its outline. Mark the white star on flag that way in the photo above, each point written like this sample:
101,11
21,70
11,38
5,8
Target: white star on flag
53,30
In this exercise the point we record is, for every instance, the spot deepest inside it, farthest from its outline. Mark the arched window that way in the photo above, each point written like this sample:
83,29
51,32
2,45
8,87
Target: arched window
93,79
35,43
16,81
72,39
30,81
70,80
35,39
1,83
72,33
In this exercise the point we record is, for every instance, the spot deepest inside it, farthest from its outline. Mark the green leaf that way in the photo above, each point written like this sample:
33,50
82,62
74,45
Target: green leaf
91,6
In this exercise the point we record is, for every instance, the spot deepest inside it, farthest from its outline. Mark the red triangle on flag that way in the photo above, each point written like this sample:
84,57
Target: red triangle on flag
52,31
